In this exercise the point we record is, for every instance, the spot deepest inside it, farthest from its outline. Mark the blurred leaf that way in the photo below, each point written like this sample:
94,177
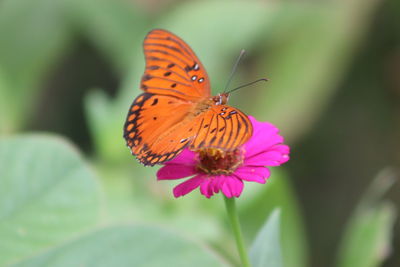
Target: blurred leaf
116,27
367,238
379,186
34,33
266,248
47,194
260,200
106,126
127,246
137,190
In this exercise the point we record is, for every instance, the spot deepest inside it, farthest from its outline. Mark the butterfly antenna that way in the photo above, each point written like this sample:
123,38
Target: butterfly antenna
247,84
242,52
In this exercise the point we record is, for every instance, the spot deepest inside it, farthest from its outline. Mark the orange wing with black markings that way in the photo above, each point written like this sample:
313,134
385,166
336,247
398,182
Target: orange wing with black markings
172,68
155,128
176,110
222,127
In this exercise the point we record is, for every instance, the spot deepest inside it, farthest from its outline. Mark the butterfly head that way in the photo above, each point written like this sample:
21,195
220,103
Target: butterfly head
221,99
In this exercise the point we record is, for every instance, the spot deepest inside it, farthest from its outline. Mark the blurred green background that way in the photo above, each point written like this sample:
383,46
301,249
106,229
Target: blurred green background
72,68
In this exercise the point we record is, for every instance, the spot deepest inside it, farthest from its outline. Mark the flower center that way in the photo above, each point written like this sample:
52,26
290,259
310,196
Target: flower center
217,161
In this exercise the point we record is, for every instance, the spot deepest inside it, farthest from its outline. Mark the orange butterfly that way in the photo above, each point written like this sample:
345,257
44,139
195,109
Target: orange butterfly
176,109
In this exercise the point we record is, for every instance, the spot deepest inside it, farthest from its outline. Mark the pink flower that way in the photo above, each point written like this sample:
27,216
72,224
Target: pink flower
215,170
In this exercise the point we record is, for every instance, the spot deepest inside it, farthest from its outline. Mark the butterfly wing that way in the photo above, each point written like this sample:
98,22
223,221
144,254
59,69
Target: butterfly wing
157,127
222,127
172,68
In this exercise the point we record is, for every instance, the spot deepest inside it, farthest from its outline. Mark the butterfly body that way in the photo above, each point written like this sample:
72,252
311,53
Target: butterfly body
176,109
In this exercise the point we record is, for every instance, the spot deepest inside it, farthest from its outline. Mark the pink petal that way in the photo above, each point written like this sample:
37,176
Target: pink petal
186,157
217,183
264,136
253,174
214,184
226,190
175,171
188,186
206,189
237,187
232,187
275,156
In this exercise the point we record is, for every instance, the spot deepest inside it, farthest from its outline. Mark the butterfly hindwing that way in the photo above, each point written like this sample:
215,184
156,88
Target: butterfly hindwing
172,68
222,127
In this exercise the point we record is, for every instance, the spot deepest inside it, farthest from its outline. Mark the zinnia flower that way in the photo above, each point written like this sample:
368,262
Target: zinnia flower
215,170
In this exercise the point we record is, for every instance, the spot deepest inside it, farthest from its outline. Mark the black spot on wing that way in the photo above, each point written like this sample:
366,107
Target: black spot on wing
146,77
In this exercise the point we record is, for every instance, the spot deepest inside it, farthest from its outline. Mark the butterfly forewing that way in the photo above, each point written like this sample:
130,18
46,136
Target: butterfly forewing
172,68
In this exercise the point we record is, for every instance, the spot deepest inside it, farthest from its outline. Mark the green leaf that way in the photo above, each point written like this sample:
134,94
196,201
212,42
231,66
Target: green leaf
106,126
127,246
266,249
47,195
367,238
260,200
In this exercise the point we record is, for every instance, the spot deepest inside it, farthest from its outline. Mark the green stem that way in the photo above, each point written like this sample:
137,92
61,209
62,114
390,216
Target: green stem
234,220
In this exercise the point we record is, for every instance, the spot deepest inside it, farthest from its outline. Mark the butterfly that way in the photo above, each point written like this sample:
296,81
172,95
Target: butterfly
176,109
